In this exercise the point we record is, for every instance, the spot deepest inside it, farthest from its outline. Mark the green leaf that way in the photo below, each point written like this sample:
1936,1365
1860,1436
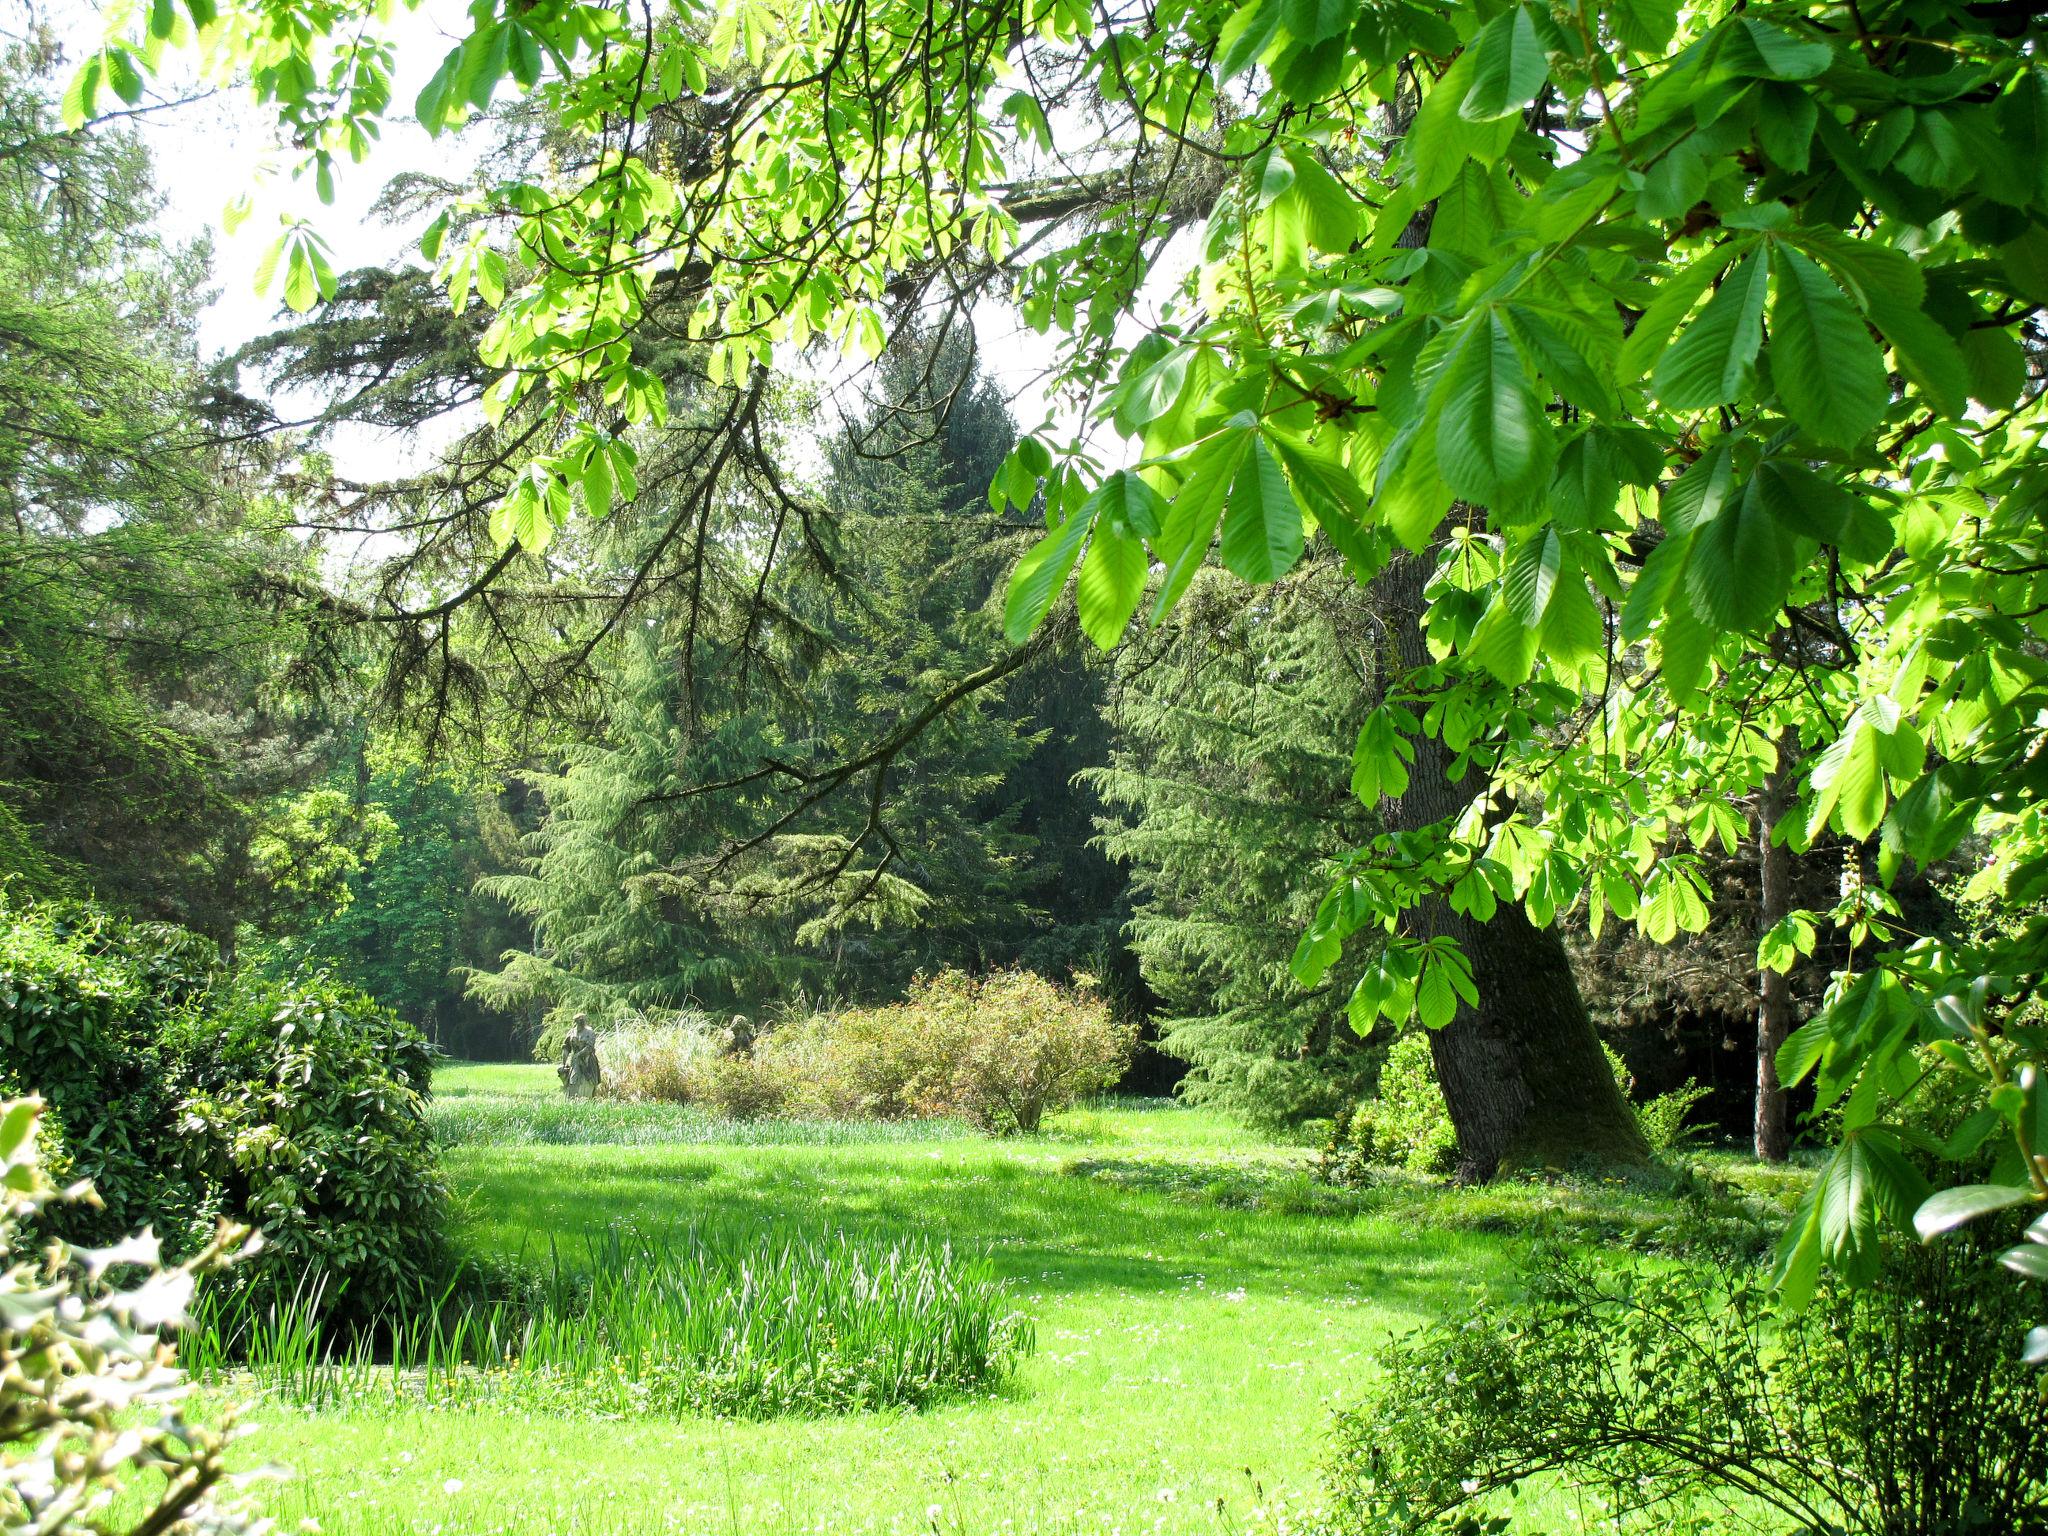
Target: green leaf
1741,567
2030,1260
1112,581
1412,496
1245,37
1675,298
1441,139
1042,574
122,74
1380,759
1762,50
1276,179
1651,591
301,287
597,482
1508,70
1849,777
1132,505
1532,575
1491,430
81,96
1262,532
1330,213
1572,356
1504,645
1189,526
1952,1208
1332,493
1643,26
1436,999
1030,116
1830,374
1785,118
1708,363
1928,356
1314,21
1866,1186
1997,364
1673,184
1152,393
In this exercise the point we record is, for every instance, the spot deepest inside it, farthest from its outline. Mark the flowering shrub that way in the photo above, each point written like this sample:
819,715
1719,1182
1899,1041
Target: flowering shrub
93,1441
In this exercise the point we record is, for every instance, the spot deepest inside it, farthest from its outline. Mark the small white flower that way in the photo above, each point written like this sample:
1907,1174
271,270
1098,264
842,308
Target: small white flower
453,1485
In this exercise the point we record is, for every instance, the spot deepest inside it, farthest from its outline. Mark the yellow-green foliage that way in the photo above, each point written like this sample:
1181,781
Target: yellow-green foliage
1000,1051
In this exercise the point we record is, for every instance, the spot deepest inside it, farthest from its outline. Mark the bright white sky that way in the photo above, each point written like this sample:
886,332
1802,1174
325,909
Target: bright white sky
210,151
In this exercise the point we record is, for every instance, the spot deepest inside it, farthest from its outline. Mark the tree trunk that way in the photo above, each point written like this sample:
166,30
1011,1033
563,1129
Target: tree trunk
1774,990
1523,1075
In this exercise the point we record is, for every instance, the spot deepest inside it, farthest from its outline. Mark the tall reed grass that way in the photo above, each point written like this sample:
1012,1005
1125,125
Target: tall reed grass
743,1323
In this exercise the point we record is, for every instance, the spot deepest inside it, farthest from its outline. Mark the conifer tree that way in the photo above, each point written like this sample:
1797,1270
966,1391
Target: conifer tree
1230,780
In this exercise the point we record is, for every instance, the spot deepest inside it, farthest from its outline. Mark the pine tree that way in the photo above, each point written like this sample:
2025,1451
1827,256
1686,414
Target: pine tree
656,881
1231,780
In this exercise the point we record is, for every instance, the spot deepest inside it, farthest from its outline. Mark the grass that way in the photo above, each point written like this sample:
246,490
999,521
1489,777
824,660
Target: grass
747,1322
1199,1307
500,1105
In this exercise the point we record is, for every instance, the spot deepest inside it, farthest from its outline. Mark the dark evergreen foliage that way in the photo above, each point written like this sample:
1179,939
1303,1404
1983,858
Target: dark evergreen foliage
1229,781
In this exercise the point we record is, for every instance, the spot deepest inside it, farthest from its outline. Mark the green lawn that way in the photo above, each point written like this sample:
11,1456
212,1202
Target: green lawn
1200,1305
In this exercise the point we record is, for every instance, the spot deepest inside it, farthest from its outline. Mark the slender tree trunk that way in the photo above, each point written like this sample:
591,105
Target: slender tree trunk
1774,990
1523,1075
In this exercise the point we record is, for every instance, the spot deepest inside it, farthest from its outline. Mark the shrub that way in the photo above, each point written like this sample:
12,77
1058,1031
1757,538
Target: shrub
306,1117
187,1093
81,1026
1663,1118
1404,1125
655,1059
1407,1125
741,1087
1900,1407
90,1421
1029,1047
1001,1051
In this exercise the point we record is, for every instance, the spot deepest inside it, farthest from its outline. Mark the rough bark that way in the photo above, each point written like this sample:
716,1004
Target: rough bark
1523,1075
1774,990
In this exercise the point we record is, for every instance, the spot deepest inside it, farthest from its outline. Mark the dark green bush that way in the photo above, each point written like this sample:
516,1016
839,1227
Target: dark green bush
187,1093
305,1116
1669,1396
81,1024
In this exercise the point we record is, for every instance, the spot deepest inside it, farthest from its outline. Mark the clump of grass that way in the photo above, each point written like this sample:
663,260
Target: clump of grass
521,1121
743,1323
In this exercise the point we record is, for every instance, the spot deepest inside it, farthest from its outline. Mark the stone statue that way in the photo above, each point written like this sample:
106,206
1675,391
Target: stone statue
739,1036
578,1070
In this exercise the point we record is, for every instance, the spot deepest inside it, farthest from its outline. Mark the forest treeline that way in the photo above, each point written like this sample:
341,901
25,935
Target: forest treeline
616,780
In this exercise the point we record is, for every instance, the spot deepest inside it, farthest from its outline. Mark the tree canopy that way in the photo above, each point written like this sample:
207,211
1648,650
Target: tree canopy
1696,353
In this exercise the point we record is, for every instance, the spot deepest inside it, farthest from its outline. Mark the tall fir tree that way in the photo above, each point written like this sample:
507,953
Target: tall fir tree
1229,781
664,876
